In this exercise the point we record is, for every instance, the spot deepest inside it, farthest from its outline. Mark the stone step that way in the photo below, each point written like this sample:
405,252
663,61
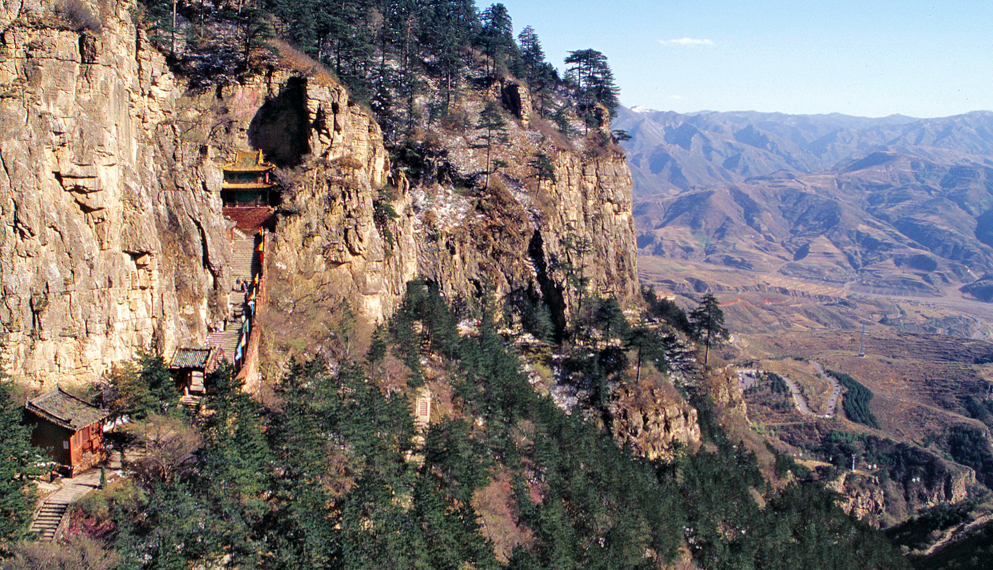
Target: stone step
242,256
226,341
46,522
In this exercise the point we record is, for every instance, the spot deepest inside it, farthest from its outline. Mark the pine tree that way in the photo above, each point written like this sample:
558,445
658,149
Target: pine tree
17,460
543,168
256,31
540,75
494,132
448,28
497,37
595,82
707,322
610,319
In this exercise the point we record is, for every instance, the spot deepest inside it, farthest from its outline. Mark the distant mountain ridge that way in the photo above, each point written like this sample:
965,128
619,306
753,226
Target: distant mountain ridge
896,203
672,151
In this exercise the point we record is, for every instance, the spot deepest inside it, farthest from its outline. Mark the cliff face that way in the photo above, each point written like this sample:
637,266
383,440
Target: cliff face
879,503
655,421
109,237
518,234
508,235
113,237
328,247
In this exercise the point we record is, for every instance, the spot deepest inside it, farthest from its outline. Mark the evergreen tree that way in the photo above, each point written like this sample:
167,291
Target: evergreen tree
162,14
595,82
17,463
532,54
707,322
256,31
543,168
532,67
574,267
497,35
610,319
141,387
648,343
448,27
494,132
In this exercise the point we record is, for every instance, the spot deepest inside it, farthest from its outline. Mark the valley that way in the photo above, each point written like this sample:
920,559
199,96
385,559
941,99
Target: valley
808,229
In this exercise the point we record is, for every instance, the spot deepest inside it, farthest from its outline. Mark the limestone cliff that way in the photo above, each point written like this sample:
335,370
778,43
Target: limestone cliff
885,502
519,233
655,421
113,237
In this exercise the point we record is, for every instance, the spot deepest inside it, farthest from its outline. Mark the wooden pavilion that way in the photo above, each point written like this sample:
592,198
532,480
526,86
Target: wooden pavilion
192,363
68,428
247,182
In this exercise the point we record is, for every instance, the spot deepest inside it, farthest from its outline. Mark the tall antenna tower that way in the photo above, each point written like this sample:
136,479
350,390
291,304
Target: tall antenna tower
862,341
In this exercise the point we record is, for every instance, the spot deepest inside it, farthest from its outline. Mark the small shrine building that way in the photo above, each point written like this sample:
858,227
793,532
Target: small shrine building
247,182
192,363
68,428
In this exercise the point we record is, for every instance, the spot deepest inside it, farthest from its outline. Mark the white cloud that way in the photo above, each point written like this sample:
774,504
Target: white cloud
676,97
687,42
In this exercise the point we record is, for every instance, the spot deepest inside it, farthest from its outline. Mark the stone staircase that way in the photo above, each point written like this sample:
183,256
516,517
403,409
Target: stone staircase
51,514
242,257
48,518
242,252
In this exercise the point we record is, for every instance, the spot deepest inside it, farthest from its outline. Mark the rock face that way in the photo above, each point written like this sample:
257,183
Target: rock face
110,239
515,234
877,502
656,422
327,241
507,234
113,237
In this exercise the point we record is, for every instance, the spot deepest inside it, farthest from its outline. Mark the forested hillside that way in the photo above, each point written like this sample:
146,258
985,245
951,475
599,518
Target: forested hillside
325,473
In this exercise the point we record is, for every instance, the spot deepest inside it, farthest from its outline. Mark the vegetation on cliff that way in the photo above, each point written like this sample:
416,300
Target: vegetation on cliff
390,54
329,472
326,467
17,462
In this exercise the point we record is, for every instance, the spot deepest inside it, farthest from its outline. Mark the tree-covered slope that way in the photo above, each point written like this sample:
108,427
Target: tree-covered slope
328,473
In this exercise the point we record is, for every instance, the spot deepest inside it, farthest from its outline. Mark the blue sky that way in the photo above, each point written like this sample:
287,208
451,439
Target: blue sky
868,58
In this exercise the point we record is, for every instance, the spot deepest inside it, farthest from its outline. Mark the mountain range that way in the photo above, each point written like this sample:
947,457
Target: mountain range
892,204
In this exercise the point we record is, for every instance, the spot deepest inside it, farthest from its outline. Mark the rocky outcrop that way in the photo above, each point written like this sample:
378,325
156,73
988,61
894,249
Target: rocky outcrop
512,232
862,496
111,238
654,421
466,233
328,246
917,483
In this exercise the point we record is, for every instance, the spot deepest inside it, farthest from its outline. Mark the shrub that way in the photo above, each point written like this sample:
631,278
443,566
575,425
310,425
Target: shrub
78,15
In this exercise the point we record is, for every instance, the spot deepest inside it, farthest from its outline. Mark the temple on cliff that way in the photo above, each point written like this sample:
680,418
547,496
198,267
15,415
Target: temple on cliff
246,180
248,193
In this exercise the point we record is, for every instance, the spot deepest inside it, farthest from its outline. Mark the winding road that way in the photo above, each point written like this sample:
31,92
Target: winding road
747,379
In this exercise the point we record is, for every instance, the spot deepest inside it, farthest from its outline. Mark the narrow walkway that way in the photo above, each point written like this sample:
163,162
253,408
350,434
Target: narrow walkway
49,515
242,258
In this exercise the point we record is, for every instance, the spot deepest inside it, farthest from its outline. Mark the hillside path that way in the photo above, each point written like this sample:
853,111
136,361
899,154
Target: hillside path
51,511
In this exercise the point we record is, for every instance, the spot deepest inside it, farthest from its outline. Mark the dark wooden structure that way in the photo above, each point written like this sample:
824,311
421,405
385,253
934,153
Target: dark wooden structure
191,364
247,181
248,194
69,429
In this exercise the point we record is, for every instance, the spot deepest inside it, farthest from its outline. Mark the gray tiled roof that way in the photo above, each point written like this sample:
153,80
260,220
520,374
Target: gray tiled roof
191,357
66,410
